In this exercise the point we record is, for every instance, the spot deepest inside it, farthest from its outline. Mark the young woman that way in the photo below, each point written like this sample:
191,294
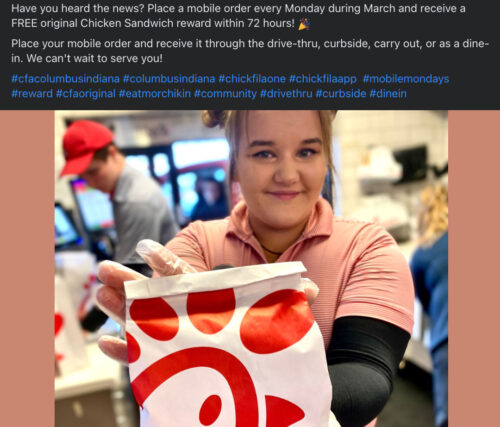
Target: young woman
365,303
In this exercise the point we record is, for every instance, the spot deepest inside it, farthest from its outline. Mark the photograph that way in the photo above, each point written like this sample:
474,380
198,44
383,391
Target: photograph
335,222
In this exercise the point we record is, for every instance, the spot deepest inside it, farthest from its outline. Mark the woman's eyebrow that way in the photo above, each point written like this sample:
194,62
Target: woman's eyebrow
312,141
263,143
259,143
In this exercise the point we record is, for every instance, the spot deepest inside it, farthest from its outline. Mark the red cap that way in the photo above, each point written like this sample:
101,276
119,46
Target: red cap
81,140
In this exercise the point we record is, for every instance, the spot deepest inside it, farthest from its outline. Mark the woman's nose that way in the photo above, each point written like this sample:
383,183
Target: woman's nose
286,172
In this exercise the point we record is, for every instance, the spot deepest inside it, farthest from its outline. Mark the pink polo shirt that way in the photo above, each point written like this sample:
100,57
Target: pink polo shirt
358,266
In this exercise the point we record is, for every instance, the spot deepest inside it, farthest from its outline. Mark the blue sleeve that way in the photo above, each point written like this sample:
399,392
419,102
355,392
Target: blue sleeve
418,268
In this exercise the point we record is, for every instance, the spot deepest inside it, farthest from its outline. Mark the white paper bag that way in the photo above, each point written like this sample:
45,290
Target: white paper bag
235,347
78,270
70,351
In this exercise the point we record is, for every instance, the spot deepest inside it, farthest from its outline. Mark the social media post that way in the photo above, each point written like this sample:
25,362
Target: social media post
356,54
338,108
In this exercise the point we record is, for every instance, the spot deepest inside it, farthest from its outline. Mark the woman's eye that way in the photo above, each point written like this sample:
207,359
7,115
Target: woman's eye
307,152
263,155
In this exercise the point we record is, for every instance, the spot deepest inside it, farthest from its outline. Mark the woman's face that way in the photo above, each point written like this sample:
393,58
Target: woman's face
281,167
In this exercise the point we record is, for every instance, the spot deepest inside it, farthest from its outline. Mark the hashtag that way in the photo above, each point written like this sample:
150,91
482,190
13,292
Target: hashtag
59,93
373,93
14,93
366,78
197,93
263,93
291,79
122,93
14,78
319,92
221,78
125,78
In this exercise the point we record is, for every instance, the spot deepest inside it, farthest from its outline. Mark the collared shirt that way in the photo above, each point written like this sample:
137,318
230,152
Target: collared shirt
141,212
357,266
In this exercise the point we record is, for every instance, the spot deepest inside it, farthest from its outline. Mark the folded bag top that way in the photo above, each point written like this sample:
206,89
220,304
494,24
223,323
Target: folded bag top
203,281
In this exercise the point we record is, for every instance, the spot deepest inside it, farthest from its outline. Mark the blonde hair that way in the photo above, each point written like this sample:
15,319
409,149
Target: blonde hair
433,217
235,121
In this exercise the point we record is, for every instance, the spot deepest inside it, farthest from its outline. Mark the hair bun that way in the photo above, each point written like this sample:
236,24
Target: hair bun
212,118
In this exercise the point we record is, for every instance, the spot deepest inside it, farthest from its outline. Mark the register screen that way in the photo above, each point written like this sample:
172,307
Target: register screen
65,232
95,207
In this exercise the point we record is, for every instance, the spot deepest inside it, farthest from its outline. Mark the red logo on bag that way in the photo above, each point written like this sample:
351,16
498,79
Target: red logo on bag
274,323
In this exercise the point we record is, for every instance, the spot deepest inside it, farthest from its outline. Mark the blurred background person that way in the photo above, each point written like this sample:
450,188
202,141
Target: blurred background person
212,202
140,211
429,267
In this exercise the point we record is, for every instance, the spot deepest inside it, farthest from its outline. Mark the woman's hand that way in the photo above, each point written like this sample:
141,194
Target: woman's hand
110,296
310,289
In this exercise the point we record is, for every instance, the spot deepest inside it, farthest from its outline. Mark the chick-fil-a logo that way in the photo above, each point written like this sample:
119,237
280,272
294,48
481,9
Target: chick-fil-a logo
274,323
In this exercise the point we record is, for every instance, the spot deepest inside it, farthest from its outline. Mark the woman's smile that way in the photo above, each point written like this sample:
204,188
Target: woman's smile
284,195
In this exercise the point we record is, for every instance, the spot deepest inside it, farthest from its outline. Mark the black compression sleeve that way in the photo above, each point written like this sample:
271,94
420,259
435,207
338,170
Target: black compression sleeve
364,354
94,319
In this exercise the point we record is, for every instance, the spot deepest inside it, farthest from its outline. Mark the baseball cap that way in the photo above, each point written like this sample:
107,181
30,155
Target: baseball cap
81,140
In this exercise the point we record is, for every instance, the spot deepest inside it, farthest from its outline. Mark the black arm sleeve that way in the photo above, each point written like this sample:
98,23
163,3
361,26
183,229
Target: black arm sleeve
363,357
94,319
